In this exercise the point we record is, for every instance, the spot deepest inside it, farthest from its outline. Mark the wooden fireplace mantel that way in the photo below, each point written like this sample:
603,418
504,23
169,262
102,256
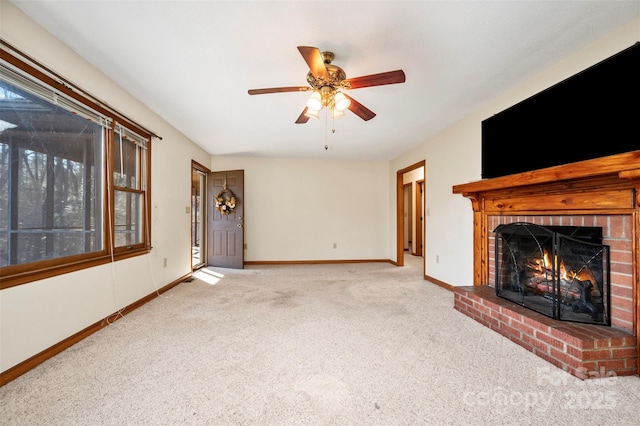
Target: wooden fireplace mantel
624,166
607,185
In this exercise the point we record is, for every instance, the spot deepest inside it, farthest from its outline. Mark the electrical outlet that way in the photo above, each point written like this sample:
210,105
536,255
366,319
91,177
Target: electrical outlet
437,258
164,262
335,245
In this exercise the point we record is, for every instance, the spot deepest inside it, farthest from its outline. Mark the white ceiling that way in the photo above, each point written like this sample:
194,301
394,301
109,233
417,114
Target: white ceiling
192,62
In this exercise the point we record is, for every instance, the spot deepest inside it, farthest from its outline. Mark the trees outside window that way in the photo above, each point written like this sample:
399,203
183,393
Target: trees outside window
73,181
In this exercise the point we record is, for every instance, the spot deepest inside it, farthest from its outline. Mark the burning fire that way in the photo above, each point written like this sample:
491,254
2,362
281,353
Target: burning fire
543,267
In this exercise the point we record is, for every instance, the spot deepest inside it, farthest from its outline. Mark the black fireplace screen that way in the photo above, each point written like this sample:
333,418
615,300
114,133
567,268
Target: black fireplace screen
558,271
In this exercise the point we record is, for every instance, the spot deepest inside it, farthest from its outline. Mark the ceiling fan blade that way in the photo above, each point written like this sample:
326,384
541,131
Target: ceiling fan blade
303,118
278,90
360,110
313,58
389,77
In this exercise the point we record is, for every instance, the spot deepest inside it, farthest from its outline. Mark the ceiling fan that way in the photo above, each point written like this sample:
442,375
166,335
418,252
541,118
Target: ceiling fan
326,82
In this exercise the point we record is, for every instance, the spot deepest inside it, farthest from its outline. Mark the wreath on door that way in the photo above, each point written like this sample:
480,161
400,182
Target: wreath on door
225,201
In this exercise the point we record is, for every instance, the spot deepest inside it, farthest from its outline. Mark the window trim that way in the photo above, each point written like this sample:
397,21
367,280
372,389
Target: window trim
14,275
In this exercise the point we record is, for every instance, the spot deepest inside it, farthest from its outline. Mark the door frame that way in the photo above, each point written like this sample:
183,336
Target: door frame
195,166
419,215
407,218
400,212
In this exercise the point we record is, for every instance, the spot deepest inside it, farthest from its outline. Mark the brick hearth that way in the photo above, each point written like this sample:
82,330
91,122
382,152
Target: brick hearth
602,192
584,350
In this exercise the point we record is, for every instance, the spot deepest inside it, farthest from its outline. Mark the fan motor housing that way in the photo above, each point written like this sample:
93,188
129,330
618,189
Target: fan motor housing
336,74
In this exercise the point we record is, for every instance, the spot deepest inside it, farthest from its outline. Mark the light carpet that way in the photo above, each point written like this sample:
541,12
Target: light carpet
345,344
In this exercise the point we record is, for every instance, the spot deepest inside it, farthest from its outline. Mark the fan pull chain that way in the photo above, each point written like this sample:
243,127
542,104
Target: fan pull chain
326,130
333,121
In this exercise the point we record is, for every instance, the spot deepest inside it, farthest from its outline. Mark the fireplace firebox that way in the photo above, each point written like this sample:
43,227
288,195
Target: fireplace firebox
559,271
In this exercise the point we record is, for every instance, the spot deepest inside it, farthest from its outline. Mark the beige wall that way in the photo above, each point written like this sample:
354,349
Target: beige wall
35,316
296,209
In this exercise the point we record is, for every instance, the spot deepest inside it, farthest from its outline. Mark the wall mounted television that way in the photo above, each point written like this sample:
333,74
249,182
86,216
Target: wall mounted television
592,114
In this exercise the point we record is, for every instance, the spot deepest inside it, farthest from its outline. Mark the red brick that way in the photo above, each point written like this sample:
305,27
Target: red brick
552,341
563,356
489,320
624,353
484,309
583,335
621,315
616,227
536,325
569,339
461,302
621,256
523,328
541,346
515,315
489,304
563,344
587,344
622,291
620,270
512,331
618,342
500,317
618,245
481,321
596,354
574,352
473,310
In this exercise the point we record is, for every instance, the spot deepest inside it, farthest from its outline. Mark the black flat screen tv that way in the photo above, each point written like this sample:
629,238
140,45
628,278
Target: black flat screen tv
593,114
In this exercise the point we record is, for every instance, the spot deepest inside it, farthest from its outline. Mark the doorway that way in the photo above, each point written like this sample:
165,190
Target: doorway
419,217
407,217
198,214
414,175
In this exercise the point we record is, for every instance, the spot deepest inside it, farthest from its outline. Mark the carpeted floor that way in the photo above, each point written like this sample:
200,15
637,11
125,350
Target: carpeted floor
348,344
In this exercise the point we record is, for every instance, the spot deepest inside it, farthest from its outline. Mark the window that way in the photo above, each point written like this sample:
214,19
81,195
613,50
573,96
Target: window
129,169
73,179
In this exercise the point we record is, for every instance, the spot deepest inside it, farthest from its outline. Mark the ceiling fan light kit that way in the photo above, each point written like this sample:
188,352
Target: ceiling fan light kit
326,80
315,101
341,102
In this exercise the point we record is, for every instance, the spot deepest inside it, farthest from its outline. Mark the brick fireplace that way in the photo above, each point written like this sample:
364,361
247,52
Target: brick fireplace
595,193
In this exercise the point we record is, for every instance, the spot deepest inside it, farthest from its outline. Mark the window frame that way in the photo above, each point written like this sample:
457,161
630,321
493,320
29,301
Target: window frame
143,183
13,275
